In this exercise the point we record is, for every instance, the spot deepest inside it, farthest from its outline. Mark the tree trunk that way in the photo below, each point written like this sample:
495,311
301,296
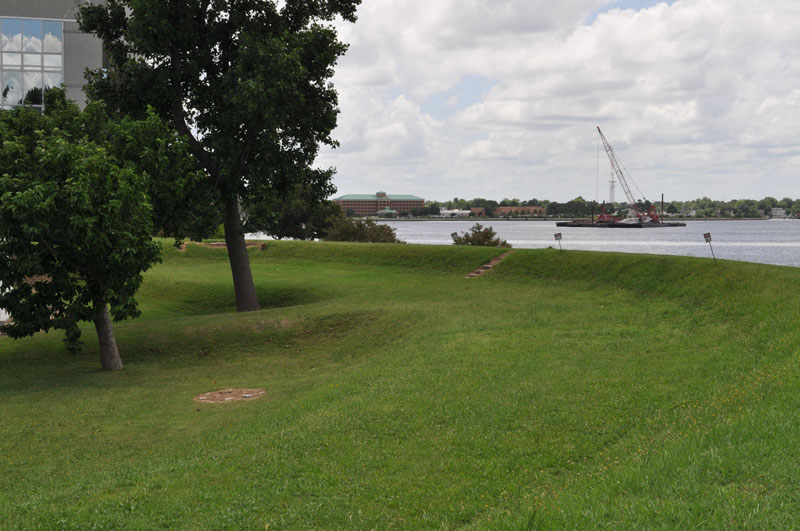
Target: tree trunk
243,286
109,354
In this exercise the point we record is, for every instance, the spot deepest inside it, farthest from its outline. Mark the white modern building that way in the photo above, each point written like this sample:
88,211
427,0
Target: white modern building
3,313
41,47
455,213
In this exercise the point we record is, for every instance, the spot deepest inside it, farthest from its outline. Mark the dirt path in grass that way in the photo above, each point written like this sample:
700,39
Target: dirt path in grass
485,268
182,248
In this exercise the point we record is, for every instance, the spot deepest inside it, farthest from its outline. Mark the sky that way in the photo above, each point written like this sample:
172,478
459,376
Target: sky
502,98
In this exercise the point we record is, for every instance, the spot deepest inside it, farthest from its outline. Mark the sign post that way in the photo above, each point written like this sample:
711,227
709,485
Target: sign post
558,239
707,236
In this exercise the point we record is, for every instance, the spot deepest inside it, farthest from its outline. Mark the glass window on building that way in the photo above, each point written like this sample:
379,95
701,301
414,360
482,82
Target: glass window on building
31,60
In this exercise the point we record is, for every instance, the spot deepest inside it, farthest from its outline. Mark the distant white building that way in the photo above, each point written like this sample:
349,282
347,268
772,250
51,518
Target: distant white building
454,213
778,212
3,313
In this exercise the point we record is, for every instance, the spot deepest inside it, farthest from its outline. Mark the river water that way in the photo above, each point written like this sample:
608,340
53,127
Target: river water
768,241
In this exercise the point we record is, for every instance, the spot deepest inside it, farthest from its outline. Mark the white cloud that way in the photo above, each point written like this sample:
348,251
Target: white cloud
694,96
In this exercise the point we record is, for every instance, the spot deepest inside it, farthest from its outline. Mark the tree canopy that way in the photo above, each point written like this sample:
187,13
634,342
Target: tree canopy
76,219
248,83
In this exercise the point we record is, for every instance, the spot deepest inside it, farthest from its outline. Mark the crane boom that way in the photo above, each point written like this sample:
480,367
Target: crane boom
617,169
650,216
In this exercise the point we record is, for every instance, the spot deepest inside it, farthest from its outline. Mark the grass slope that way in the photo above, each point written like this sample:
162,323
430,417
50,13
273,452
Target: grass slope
561,390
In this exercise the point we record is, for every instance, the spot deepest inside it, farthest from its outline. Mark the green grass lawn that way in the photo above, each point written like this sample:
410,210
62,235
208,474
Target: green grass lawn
560,390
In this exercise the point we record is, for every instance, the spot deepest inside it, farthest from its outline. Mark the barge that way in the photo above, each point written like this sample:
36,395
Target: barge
634,223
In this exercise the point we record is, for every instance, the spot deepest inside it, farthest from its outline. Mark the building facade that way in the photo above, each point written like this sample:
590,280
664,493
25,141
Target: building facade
370,205
42,47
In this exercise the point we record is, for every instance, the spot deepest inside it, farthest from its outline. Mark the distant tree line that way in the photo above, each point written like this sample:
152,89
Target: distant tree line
579,207
735,208
432,208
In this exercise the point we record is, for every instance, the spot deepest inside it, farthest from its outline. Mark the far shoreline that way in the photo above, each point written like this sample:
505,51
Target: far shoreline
479,219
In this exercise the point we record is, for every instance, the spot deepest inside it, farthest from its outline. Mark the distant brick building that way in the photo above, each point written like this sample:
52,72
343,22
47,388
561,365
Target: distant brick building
534,211
370,205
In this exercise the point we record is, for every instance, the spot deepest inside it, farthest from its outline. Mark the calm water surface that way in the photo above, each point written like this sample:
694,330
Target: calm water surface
768,242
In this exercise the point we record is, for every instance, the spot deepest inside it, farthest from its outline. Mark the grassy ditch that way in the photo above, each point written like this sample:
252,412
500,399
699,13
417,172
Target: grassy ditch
560,390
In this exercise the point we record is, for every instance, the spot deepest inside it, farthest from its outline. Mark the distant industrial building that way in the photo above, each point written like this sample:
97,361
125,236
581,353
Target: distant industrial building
377,204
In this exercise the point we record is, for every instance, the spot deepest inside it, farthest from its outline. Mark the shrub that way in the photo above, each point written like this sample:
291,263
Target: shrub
478,235
219,232
343,229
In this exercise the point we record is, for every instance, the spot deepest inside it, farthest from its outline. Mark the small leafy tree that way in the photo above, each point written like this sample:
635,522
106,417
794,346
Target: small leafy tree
75,223
344,229
478,235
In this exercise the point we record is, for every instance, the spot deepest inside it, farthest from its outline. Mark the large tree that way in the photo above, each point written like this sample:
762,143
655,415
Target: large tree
76,219
248,83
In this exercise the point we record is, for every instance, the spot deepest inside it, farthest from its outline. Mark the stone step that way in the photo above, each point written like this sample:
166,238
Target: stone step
487,267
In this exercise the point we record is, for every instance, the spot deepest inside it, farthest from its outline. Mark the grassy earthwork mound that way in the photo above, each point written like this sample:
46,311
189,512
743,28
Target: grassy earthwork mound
559,390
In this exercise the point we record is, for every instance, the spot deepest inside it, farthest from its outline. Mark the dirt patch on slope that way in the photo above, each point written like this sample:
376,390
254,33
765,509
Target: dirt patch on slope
182,248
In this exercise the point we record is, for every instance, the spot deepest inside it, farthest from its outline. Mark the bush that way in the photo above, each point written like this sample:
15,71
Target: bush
478,235
343,229
219,233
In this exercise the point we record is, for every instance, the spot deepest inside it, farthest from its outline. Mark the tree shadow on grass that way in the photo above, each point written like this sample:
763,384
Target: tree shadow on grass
183,299
168,311
188,345
272,297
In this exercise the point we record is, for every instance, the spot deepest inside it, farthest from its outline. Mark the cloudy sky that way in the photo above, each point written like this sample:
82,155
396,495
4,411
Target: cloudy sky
501,98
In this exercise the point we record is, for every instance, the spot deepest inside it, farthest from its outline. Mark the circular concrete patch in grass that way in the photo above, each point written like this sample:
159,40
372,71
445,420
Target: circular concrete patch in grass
229,395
